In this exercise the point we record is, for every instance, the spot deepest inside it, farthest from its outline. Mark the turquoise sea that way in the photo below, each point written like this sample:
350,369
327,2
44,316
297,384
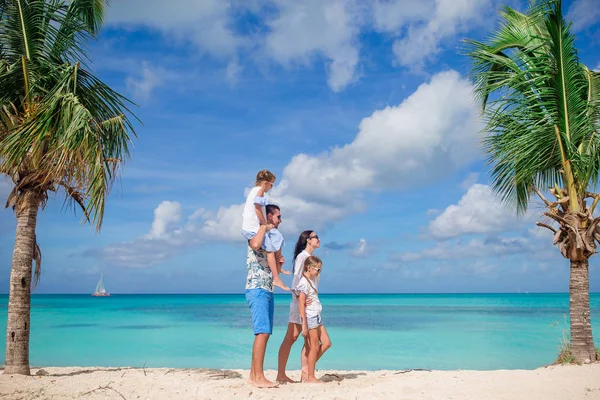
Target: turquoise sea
369,332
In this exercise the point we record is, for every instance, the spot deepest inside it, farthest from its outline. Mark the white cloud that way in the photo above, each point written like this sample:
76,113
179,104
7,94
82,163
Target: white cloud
305,32
493,246
478,211
391,16
166,217
142,87
205,23
233,71
362,249
583,13
304,29
429,135
426,25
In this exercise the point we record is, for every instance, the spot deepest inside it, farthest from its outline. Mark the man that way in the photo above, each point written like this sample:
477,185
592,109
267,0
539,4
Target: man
259,295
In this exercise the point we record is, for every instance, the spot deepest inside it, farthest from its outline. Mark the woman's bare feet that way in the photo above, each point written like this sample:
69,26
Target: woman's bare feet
285,379
313,380
279,283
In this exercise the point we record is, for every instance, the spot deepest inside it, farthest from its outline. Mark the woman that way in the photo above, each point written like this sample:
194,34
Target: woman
305,246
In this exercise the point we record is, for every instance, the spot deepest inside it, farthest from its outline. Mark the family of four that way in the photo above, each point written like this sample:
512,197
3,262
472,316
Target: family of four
264,262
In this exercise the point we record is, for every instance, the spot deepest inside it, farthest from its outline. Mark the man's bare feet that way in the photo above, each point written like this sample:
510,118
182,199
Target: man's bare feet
263,383
279,283
313,380
285,379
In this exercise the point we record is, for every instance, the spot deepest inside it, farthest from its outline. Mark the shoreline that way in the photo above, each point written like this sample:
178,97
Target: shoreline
557,382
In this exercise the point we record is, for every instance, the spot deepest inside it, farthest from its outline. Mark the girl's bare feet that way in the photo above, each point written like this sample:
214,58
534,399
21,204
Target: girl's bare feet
304,375
285,379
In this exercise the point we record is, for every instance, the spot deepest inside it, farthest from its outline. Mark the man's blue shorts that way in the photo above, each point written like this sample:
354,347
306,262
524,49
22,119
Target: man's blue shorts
262,307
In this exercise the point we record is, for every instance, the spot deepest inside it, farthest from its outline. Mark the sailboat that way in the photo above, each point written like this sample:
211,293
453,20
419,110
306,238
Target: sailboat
100,290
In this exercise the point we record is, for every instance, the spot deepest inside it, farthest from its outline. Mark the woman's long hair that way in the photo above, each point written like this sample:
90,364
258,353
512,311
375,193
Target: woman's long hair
300,246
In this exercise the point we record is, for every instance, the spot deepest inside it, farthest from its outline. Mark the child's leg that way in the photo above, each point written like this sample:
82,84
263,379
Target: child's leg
279,269
304,363
273,266
325,341
313,352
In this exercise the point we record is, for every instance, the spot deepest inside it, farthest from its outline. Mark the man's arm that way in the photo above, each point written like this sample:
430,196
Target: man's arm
257,241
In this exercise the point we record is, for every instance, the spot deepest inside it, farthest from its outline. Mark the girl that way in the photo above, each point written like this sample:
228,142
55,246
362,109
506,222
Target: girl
312,325
307,243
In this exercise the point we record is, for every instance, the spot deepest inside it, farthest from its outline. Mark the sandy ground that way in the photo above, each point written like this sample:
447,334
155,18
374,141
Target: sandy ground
549,383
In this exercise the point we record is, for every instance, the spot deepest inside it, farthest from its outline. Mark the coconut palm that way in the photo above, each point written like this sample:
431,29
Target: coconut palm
541,106
61,130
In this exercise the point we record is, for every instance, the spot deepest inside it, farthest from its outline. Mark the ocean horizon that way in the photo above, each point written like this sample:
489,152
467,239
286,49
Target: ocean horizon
445,331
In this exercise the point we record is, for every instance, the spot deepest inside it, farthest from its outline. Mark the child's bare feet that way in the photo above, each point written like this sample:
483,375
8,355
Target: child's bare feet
284,271
313,380
304,374
263,383
285,379
279,283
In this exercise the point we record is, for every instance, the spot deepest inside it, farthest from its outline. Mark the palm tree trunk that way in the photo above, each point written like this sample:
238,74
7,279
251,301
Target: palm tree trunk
19,302
582,341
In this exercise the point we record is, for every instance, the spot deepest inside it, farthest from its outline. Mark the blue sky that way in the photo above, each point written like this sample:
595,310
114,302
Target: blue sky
363,111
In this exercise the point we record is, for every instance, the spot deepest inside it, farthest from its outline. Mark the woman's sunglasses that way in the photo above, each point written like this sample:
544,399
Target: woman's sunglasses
314,237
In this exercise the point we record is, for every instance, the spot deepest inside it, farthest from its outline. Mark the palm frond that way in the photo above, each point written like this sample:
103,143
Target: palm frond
61,125
535,95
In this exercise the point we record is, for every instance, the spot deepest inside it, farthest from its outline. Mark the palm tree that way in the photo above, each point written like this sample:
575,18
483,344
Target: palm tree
61,130
542,109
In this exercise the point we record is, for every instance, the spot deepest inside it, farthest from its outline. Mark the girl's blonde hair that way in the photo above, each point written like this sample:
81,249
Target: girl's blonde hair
264,176
311,261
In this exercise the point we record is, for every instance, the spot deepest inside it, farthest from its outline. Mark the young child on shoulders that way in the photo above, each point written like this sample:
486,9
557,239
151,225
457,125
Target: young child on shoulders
255,228
316,339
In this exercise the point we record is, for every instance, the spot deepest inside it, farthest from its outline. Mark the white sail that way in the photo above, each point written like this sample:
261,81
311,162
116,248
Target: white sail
100,286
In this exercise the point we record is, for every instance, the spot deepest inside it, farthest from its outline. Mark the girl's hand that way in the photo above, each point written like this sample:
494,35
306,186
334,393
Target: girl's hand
305,330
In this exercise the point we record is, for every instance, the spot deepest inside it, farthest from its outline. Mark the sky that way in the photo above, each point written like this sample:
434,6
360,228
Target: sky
362,109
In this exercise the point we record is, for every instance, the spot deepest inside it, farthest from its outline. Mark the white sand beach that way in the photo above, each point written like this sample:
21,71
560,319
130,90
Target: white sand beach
553,382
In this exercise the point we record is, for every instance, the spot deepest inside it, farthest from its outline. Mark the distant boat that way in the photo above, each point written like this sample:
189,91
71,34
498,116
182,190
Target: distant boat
100,291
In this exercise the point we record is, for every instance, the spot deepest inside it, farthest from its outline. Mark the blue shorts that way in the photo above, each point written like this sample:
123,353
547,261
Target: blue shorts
262,307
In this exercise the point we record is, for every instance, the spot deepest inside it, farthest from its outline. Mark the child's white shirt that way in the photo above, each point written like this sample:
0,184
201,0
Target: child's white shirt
250,221
315,308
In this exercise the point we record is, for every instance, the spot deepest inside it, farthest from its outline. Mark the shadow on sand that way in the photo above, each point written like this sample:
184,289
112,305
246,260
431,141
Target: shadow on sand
340,377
